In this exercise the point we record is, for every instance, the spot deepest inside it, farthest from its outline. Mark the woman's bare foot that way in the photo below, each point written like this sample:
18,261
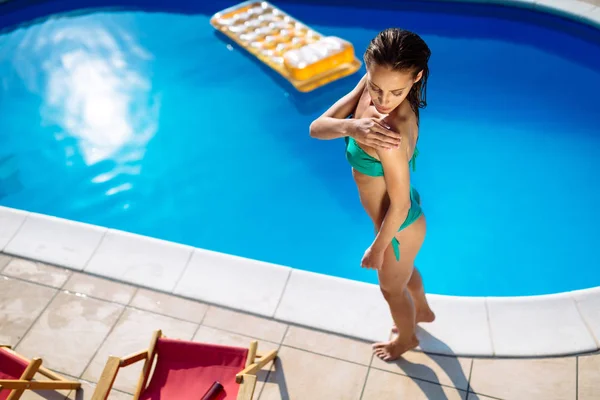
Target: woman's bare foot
427,316
392,350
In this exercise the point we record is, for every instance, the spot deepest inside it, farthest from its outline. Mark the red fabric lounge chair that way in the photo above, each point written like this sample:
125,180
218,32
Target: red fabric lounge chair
17,372
187,370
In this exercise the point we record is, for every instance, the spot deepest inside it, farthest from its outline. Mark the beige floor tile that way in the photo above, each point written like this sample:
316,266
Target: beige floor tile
546,378
37,272
132,334
84,393
444,370
211,335
43,395
173,306
100,288
329,345
69,331
4,260
383,385
299,375
245,324
87,390
21,303
589,377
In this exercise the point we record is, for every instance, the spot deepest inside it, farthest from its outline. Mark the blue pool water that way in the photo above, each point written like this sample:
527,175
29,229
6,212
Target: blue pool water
147,121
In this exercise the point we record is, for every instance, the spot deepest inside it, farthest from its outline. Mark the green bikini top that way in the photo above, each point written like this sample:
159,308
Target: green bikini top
361,161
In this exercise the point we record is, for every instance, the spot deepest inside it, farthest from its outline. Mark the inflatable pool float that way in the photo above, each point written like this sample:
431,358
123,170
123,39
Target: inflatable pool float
306,58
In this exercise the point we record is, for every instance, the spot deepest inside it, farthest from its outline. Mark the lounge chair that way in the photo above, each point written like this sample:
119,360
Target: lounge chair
187,370
17,373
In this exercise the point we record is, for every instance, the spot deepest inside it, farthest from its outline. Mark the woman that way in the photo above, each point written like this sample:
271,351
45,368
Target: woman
387,101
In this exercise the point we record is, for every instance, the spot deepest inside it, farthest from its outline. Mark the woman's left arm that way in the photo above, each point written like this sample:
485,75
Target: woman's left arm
397,181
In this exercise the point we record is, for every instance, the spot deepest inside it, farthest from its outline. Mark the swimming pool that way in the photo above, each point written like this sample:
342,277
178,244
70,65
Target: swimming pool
176,134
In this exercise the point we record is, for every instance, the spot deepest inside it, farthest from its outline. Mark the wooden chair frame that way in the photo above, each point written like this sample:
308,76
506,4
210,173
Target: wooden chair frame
246,378
25,381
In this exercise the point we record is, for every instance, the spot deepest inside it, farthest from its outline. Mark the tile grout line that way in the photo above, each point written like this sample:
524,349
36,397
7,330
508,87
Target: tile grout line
27,213
362,392
35,321
587,326
112,328
60,289
128,304
281,344
182,273
282,294
577,378
489,325
469,380
10,260
85,264
246,312
135,292
134,285
273,366
416,378
86,381
200,324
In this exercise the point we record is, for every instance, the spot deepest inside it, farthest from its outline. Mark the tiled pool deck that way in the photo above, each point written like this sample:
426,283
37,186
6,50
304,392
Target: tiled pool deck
68,313
75,321
551,325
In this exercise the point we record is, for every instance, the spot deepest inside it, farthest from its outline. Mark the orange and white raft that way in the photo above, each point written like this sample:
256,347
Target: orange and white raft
303,56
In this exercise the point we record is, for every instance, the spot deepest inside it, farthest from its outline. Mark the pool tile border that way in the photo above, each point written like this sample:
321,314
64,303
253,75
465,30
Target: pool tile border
334,304
529,326
577,10
141,260
55,240
11,221
244,284
538,325
573,9
588,305
461,327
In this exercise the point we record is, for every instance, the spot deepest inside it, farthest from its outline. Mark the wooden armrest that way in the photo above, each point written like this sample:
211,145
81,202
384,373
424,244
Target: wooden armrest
133,358
49,374
109,374
38,385
253,368
247,387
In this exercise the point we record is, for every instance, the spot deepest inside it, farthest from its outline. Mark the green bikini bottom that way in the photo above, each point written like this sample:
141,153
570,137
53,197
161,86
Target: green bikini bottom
413,214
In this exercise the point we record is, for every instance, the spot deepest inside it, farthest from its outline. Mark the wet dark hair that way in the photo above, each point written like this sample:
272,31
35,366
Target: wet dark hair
402,50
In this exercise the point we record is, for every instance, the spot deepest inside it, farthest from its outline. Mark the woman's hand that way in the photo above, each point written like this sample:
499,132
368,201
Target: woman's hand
373,259
375,133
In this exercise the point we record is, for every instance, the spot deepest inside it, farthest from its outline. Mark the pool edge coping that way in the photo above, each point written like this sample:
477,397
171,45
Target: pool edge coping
465,326
580,11
560,324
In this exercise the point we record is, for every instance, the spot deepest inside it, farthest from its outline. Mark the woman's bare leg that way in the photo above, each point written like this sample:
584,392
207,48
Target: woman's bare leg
417,291
423,312
393,280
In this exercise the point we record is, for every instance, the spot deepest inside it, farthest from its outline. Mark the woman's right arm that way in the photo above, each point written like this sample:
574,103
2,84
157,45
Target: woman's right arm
334,123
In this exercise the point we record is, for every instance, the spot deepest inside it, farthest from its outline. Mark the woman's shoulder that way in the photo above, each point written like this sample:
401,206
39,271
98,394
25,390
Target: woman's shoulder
405,120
